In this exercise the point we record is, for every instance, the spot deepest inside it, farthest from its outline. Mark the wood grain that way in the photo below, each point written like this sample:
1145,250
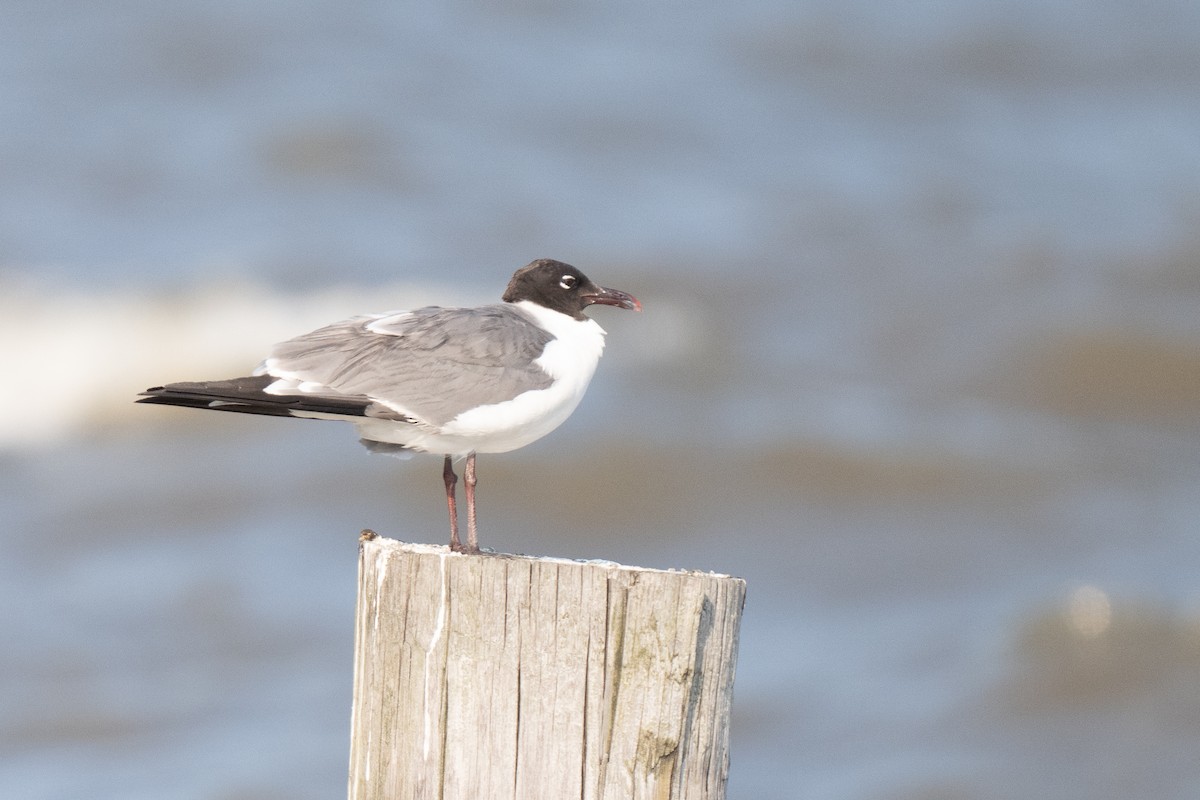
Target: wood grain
495,676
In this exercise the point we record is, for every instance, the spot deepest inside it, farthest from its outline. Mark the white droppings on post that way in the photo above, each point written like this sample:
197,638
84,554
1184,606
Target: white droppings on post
438,628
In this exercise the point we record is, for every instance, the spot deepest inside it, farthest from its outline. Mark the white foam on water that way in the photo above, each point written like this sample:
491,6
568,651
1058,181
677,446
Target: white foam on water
74,360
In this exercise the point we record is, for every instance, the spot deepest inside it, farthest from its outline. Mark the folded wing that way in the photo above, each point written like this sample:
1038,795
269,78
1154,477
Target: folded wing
427,365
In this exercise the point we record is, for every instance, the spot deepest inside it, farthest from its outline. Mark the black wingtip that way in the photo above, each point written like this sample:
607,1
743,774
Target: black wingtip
246,396
162,396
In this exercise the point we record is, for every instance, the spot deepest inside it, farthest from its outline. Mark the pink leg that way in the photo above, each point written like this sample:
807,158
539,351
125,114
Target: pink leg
472,530
451,503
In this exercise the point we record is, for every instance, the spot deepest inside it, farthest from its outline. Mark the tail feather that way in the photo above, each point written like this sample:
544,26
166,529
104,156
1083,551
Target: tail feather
247,396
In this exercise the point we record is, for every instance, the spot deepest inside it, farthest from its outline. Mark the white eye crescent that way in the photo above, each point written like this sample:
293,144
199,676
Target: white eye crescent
567,281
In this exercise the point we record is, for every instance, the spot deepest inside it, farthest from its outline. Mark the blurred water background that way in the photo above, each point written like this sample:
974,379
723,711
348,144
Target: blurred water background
920,360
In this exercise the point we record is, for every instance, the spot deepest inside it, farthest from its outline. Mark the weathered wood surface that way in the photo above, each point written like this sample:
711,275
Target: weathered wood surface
494,676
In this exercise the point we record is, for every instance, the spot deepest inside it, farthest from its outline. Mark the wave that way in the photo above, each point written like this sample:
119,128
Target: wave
74,359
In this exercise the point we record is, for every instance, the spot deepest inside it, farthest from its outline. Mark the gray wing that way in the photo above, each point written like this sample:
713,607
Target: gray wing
431,364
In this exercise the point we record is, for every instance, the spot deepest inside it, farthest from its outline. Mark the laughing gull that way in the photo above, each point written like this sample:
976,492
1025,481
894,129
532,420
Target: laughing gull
449,381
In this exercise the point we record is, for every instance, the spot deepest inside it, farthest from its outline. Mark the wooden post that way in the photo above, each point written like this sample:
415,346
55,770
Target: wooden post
496,676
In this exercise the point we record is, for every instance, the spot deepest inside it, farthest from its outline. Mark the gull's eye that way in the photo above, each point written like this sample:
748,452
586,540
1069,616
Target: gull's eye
568,281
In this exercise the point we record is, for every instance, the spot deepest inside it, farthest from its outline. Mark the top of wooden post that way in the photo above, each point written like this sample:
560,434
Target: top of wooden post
508,676
379,544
